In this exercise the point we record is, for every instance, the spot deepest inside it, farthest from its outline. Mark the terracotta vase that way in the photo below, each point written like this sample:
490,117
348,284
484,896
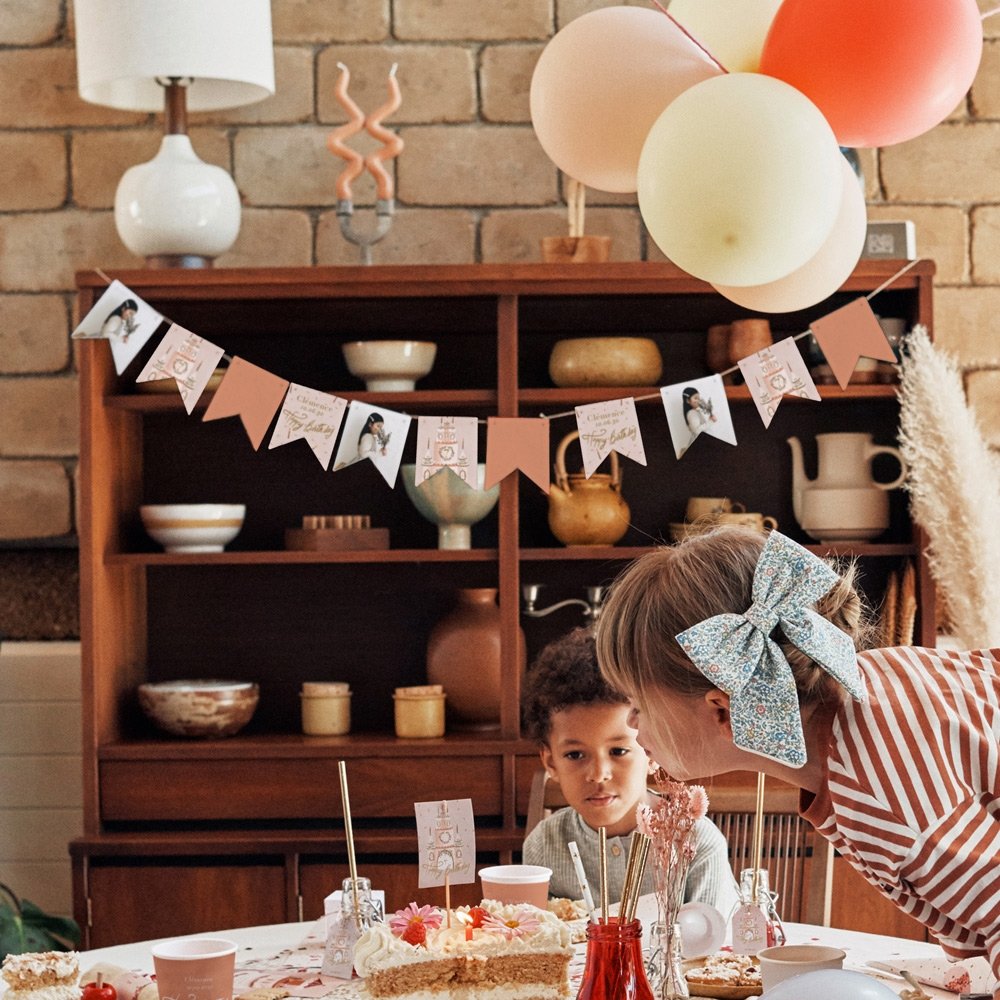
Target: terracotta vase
463,655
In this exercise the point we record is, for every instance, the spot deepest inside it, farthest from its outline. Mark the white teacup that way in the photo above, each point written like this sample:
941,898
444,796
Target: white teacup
844,515
709,508
748,519
785,961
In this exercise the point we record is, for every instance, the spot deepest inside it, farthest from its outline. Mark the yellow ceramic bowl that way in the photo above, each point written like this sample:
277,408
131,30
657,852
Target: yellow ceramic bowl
605,361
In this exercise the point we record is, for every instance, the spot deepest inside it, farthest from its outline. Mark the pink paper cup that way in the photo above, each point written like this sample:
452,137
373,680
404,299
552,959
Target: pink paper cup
517,884
195,968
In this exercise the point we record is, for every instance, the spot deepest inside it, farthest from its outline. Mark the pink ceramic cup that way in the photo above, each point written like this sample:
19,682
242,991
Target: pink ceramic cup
517,884
195,968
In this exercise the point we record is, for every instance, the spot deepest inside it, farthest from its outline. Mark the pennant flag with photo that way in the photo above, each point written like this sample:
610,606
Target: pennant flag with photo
186,358
448,443
514,443
446,835
313,416
377,435
851,332
253,394
121,318
606,427
775,372
698,406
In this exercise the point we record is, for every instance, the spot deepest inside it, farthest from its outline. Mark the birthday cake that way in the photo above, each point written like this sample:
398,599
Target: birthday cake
42,975
490,952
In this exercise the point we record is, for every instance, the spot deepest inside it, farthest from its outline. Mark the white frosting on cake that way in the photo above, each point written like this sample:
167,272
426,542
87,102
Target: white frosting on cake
35,969
45,993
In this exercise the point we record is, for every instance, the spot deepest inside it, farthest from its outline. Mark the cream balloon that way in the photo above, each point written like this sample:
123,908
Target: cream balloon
822,274
740,180
599,85
732,30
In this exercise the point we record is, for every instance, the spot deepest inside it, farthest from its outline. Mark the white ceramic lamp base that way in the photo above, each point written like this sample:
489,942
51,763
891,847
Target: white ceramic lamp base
176,209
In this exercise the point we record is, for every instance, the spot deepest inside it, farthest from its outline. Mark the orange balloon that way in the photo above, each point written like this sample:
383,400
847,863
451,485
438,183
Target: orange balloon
882,71
602,81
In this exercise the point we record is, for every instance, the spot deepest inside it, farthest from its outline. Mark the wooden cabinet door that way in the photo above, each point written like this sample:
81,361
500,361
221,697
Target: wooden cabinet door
859,906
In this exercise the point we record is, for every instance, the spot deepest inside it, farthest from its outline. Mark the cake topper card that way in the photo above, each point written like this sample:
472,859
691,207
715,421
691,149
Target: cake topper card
446,834
448,443
186,358
609,426
375,435
848,333
698,406
251,393
123,319
313,416
342,933
774,372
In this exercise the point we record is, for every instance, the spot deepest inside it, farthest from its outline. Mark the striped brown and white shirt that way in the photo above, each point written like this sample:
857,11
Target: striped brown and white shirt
912,798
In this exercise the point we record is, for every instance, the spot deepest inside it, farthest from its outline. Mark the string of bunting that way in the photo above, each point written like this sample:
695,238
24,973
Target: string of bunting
378,434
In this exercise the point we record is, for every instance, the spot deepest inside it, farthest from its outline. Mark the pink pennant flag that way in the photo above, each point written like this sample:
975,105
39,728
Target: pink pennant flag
311,415
517,443
851,332
448,443
609,426
446,834
774,372
253,394
186,358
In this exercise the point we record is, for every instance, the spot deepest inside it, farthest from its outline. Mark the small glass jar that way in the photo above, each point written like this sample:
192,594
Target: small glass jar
369,908
419,711
614,968
326,708
764,901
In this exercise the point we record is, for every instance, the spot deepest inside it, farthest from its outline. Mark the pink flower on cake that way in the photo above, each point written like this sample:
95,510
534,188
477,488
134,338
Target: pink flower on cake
521,923
413,922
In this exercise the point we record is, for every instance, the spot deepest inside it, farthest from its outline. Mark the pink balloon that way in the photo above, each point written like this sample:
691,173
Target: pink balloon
602,81
882,71
823,273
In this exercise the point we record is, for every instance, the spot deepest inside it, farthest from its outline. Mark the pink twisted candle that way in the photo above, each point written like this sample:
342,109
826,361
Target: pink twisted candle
356,121
392,144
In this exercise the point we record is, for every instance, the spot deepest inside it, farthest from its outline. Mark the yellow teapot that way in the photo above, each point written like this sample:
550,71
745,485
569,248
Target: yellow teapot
586,511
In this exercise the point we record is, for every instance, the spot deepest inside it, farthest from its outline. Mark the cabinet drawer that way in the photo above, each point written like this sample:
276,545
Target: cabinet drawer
292,789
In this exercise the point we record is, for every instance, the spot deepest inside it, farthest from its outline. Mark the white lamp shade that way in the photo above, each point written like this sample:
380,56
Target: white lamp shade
224,46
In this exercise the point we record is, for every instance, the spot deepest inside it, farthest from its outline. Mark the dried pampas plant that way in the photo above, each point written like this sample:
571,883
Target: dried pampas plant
954,486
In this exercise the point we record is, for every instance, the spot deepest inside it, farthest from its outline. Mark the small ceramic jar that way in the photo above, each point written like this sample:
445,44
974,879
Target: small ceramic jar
419,711
326,708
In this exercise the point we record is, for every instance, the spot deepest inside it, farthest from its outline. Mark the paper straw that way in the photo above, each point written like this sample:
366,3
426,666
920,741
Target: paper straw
348,829
581,875
633,856
603,832
758,835
640,870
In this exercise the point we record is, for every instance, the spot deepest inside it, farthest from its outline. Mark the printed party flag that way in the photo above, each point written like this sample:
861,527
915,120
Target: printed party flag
606,427
311,415
698,406
186,358
775,372
374,435
517,443
851,332
123,319
250,393
446,835
448,443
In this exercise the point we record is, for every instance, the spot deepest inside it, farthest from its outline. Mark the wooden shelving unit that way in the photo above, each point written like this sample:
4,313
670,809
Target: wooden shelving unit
250,827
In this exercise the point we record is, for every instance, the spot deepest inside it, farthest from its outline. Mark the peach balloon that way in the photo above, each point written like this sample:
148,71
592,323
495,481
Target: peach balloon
601,82
732,30
821,275
882,71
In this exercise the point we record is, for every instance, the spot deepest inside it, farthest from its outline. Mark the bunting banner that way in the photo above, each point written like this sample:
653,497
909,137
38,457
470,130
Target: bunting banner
313,416
121,318
446,834
698,406
375,435
448,443
849,333
609,426
250,393
775,372
186,358
514,443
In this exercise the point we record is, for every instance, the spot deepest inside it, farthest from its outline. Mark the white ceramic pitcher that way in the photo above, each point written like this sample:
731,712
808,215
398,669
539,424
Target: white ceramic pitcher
844,464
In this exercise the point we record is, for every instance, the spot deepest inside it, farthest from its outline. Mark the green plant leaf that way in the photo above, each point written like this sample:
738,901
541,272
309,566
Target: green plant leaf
25,927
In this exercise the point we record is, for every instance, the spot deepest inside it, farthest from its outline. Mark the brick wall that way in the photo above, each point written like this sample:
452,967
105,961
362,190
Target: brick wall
472,185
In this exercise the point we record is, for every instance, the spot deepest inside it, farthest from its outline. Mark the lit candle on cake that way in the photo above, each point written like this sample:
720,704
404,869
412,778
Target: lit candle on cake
355,123
392,145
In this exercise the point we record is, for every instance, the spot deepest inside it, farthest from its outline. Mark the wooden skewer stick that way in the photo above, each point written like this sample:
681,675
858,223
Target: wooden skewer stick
603,835
349,831
758,835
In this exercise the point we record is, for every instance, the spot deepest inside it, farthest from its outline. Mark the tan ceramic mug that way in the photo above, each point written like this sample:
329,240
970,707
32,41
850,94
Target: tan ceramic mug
709,508
749,519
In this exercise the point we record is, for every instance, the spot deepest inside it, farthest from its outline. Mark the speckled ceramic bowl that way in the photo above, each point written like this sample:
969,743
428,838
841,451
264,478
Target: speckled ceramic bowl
206,709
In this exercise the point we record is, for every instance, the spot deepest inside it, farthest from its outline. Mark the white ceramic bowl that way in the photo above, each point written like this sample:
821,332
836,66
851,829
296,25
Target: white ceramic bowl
450,504
193,527
205,708
390,365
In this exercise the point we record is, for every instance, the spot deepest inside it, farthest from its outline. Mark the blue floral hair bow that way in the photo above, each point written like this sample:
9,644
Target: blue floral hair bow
736,653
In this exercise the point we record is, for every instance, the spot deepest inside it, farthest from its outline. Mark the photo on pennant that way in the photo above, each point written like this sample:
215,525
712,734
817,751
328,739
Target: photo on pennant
695,407
123,319
373,433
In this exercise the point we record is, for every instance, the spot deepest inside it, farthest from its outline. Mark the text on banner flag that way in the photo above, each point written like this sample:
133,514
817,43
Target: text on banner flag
609,426
186,358
251,393
446,835
311,415
775,372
